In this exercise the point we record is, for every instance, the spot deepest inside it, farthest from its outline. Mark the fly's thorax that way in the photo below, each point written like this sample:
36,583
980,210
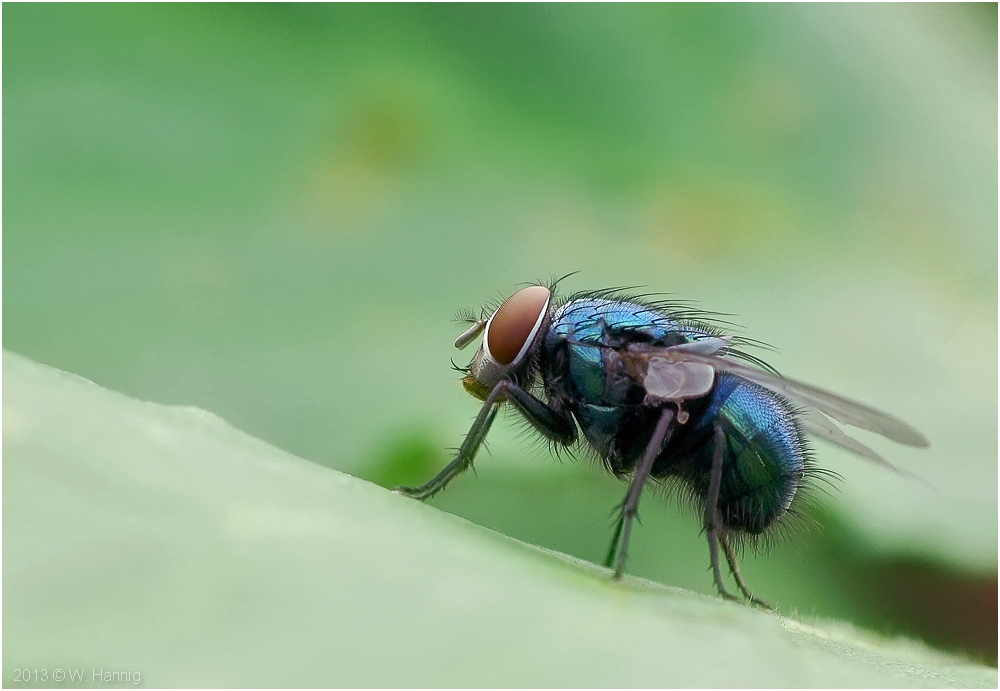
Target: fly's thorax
510,337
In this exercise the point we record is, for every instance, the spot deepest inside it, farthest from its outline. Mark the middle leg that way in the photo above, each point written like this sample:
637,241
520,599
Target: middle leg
630,505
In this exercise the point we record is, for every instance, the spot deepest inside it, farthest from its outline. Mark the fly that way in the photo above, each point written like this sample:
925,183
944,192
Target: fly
658,393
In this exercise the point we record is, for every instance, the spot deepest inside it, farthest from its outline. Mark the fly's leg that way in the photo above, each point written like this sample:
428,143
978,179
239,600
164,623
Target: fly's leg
630,505
462,461
712,517
609,558
554,424
735,568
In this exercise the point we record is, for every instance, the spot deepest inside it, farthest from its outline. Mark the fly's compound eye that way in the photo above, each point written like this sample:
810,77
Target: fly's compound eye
513,327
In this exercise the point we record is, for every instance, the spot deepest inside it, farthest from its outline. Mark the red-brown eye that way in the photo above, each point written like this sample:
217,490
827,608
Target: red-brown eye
513,323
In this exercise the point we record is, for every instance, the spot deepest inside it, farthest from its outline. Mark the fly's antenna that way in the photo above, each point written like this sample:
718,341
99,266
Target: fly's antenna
469,335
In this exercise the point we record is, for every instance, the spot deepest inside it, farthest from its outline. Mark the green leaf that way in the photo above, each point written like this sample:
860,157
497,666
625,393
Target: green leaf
160,541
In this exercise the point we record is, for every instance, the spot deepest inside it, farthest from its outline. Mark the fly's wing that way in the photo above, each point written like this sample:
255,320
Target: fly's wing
839,408
672,379
819,425
675,381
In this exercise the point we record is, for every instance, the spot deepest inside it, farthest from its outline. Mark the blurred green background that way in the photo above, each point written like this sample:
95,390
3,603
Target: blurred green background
273,212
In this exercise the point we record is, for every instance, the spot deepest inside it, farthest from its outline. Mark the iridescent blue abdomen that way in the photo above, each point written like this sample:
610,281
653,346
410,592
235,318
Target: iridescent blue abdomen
764,455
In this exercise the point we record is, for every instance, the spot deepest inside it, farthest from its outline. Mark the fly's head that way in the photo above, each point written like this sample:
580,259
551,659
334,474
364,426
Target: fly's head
510,340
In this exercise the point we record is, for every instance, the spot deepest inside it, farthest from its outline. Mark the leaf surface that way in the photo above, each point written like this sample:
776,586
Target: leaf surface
163,541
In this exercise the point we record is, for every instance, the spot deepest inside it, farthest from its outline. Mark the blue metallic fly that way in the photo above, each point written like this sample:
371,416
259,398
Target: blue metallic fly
659,393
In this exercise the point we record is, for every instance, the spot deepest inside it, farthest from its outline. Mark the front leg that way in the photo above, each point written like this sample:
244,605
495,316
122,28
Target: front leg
554,424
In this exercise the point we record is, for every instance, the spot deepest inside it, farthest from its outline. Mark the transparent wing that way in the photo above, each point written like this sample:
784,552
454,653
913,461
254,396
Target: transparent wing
675,381
829,404
819,425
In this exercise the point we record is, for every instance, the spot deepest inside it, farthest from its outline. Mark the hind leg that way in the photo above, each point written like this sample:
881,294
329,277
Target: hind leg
712,519
734,567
